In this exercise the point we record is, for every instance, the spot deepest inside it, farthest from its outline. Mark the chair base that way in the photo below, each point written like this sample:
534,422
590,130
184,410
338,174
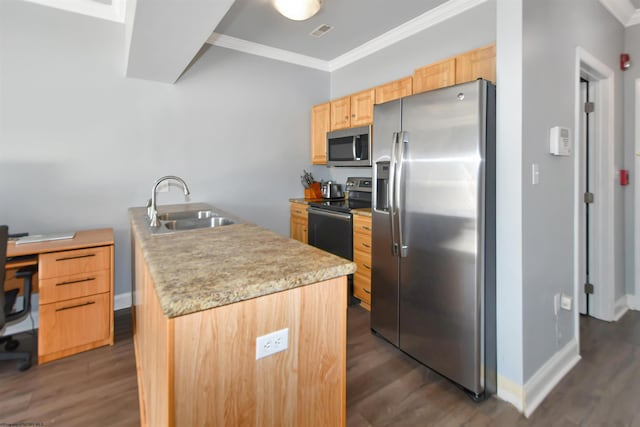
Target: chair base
24,356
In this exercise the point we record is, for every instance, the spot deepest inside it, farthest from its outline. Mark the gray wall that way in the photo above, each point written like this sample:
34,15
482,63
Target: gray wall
80,143
552,30
631,46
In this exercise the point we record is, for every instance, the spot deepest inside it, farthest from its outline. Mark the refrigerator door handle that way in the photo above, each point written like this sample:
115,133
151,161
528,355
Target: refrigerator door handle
403,139
390,193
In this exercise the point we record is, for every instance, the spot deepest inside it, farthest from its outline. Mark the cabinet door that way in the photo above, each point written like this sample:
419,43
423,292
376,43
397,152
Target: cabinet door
341,113
479,63
434,76
362,107
298,222
394,90
320,125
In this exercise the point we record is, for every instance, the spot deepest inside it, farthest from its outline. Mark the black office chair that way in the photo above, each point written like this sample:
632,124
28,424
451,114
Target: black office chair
8,299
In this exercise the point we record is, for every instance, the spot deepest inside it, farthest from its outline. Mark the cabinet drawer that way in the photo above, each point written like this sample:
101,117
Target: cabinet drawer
362,287
363,260
299,209
362,242
67,263
362,224
74,286
76,322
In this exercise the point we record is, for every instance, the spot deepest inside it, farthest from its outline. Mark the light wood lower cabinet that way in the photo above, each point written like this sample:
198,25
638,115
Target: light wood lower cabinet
362,257
298,222
76,301
200,369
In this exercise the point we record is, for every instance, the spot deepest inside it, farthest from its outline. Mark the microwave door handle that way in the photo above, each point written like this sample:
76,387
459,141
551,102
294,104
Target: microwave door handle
403,140
390,193
354,148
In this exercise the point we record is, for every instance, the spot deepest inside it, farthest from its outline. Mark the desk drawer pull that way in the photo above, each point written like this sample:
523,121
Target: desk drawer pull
76,306
71,282
367,290
75,257
366,245
366,266
364,227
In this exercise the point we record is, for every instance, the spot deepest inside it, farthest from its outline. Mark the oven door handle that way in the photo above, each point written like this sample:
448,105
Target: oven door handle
331,214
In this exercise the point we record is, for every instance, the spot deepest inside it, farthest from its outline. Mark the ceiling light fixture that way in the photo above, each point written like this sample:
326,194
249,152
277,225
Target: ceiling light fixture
297,10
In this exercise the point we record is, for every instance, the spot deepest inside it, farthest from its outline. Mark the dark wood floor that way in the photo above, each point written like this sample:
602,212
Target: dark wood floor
384,386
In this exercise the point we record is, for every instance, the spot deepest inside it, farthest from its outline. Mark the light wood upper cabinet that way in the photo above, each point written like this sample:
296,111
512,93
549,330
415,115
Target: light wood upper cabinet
362,108
394,90
479,63
341,113
434,76
320,125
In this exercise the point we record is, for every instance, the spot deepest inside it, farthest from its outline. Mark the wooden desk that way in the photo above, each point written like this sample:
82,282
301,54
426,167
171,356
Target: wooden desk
75,282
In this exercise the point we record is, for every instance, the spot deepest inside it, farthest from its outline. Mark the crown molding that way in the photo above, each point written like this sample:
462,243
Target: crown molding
623,11
267,51
111,12
428,19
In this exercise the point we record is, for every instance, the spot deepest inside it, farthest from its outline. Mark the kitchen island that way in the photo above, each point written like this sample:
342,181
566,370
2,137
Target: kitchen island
201,299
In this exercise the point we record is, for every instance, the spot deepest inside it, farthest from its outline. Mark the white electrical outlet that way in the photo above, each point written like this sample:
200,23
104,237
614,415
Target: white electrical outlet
272,343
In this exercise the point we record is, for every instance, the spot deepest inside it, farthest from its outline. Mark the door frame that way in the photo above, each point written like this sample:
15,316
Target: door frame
602,302
635,300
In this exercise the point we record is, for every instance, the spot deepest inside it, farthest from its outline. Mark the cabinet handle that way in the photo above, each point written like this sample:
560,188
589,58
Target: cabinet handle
75,257
75,306
71,282
353,115
366,246
364,227
367,290
366,266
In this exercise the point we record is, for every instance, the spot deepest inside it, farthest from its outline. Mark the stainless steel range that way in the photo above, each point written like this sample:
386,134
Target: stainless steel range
331,221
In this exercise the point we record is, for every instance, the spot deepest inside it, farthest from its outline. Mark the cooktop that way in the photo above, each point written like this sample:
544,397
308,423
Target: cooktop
341,205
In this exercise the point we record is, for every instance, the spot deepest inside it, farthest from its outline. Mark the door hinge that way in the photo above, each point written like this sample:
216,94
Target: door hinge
589,107
588,197
588,288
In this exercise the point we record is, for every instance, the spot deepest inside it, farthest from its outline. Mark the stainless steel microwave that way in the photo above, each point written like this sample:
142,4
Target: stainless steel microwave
349,147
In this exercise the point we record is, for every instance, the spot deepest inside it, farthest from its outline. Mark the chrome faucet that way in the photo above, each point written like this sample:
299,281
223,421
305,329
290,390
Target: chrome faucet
152,210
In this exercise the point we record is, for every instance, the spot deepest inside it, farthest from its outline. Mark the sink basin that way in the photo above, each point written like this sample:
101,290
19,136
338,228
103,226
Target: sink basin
195,223
181,215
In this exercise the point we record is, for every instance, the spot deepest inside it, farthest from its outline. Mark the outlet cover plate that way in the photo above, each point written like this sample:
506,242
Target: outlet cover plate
272,343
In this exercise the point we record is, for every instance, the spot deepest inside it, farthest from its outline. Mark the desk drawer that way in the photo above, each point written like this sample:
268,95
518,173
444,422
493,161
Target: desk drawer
74,286
72,323
68,263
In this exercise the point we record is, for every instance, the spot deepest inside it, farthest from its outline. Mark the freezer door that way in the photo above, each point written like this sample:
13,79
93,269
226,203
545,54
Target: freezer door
384,268
442,204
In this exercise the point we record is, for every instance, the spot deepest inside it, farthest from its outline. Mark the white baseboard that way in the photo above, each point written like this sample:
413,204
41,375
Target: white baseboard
121,301
511,393
633,302
621,307
549,375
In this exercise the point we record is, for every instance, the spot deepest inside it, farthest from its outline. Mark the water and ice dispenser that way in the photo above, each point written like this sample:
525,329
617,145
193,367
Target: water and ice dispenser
382,186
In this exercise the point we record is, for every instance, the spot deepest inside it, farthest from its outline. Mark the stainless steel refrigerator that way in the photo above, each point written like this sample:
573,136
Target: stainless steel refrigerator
433,252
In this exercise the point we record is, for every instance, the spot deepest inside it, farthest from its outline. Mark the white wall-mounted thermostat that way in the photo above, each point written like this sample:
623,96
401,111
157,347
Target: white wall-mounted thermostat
560,141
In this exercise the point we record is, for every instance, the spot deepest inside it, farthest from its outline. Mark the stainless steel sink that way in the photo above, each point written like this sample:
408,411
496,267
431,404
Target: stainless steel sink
181,215
195,223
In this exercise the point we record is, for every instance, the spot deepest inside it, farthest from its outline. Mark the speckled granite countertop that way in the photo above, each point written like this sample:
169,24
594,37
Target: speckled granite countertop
201,269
